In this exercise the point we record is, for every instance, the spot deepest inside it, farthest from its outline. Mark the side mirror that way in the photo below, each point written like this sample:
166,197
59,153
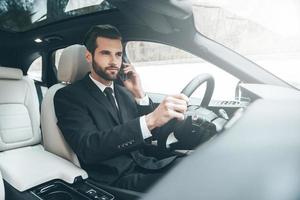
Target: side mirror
240,93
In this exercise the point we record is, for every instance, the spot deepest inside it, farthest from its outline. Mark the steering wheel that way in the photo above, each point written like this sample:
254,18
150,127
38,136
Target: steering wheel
196,82
188,90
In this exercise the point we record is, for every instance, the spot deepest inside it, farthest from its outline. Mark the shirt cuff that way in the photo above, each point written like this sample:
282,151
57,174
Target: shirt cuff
145,131
143,101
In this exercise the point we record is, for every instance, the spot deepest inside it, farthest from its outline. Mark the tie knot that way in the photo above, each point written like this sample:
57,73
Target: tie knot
108,91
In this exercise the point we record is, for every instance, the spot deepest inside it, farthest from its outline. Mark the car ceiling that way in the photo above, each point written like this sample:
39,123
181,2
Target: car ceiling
19,49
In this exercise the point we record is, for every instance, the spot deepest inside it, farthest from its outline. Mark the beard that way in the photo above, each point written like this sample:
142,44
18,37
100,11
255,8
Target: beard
103,73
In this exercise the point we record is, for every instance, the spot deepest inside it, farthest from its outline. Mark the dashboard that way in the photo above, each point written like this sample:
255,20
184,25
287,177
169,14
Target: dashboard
255,158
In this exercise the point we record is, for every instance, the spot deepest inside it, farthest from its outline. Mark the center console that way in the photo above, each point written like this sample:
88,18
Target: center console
81,189
60,190
31,173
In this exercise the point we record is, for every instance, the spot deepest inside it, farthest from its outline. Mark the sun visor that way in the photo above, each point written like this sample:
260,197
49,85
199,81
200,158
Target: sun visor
180,9
155,13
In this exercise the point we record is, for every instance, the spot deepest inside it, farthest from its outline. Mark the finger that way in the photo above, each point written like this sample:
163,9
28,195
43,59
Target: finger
129,69
125,68
172,99
173,114
125,63
128,66
181,108
181,96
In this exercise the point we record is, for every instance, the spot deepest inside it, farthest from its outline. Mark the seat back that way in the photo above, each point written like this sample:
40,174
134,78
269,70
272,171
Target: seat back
72,66
23,161
19,110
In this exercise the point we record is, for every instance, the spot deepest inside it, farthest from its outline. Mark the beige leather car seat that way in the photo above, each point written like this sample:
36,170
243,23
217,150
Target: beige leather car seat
72,66
23,161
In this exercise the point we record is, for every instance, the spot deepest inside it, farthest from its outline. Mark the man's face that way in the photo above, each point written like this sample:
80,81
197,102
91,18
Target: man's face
107,59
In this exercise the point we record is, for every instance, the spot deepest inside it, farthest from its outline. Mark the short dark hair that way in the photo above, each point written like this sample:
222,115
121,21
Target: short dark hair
107,31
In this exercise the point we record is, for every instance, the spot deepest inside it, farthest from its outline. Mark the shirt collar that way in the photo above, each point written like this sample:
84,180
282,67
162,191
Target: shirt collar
100,85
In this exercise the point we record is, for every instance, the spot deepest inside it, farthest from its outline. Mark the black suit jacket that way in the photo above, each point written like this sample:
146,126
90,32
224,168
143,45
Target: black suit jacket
106,146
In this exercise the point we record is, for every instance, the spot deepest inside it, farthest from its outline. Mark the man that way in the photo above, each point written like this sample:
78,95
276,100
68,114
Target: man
109,126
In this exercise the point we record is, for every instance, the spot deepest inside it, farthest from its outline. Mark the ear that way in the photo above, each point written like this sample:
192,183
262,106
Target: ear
89,57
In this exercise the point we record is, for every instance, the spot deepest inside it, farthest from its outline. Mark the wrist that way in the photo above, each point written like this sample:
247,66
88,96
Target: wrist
150,122
138,94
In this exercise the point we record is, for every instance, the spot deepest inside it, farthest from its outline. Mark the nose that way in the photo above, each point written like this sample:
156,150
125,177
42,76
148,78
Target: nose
114,60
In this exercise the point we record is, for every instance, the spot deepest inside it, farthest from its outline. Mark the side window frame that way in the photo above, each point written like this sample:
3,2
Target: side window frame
228,76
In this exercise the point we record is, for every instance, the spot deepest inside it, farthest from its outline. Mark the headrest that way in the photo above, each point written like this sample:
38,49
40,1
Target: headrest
10,73
72,64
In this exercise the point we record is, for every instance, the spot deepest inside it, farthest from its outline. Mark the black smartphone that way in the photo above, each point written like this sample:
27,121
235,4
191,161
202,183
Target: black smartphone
122,75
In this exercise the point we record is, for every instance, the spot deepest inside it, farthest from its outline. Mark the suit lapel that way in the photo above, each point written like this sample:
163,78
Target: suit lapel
100,97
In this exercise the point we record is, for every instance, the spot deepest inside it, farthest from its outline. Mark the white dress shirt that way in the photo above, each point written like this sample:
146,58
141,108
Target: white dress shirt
141,101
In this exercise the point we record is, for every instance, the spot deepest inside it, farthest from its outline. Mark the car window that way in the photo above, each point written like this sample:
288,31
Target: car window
166,69
35,69
265,31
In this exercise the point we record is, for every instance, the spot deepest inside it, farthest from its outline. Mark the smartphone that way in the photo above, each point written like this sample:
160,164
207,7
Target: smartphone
122,75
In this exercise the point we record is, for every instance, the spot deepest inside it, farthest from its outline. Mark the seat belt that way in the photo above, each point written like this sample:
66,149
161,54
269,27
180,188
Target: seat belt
39,93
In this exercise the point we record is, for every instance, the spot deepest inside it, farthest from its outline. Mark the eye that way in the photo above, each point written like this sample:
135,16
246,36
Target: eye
105,52
119,54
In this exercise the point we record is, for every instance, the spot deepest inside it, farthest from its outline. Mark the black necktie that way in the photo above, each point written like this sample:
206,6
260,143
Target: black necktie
108,92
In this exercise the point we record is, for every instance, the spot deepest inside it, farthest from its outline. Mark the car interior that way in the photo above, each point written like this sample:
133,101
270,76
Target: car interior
41,169
241,140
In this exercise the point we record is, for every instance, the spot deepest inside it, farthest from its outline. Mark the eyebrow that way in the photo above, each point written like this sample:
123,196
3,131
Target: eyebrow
107,51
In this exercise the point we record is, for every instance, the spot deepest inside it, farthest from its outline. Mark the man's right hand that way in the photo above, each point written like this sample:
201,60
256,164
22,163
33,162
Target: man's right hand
171,107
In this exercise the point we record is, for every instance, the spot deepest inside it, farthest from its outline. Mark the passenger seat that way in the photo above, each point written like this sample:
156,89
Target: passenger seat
23,161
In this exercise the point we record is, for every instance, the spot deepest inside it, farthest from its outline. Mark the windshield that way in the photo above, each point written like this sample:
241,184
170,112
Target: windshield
265,31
